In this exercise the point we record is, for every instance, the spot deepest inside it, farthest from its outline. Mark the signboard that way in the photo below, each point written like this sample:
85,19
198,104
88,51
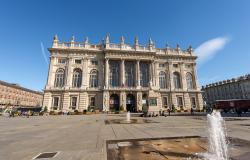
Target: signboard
231,104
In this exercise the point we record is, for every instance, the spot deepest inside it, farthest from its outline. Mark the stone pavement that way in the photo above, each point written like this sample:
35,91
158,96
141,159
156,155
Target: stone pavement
83,137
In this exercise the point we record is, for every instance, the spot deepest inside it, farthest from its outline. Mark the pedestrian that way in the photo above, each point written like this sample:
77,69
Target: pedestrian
10,113
169,112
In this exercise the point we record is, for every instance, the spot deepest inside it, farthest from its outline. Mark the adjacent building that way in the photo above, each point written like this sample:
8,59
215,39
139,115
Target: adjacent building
120,76
235,88
13,95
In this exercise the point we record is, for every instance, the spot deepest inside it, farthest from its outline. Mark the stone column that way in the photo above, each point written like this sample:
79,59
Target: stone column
122,70
171,85
85,74
183,77
68,77
138,85
106,73
170,73
151,74
156,75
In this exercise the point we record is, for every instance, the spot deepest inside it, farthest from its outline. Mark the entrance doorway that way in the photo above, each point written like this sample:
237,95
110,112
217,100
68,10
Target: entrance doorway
130,103
114,102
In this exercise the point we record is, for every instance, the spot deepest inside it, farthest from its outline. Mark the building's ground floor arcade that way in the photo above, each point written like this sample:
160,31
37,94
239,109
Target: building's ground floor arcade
109,100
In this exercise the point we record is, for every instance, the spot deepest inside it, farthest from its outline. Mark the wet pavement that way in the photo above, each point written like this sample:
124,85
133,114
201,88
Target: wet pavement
174,148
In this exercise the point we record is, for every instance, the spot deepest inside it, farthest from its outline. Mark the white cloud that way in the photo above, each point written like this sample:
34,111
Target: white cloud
210,48
44,55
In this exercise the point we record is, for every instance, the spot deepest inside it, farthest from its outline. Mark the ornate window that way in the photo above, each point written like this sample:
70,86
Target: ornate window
78,61
59,78
55,103
165,102
144,74
177,80
77,78
189,79
129,74
92,101
162,80
180,102
114,74
61,61
73,102
193,102
93,78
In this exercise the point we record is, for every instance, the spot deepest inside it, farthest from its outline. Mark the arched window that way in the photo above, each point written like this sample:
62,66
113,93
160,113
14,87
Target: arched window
59,78
144,74
189,79
162,80
77,78
177,80
93,78
129,74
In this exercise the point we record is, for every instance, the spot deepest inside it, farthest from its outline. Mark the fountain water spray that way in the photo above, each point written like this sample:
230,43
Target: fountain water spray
217,137
128,116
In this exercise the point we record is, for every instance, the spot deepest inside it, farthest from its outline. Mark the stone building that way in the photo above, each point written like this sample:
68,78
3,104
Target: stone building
235,88
120,76
14,95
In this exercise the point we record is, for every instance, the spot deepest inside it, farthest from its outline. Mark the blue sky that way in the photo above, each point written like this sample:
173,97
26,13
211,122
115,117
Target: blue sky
218,30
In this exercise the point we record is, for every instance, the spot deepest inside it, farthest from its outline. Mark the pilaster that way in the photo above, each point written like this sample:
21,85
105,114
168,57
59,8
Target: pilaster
195,77
200,102
139,101
69,73
187,101
123,100
85,76
183,77
106,73
156,75
83,101
65,99
50,81
105,101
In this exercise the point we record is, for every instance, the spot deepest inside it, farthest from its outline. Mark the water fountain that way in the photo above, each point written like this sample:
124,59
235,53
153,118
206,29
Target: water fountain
128,117
218,148
213,147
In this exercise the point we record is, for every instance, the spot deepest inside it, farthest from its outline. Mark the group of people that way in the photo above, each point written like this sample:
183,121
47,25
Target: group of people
13,114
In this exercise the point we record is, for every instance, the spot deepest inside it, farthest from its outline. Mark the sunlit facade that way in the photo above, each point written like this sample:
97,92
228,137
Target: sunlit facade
120,76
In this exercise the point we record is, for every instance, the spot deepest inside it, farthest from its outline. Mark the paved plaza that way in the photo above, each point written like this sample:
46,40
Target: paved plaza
83,137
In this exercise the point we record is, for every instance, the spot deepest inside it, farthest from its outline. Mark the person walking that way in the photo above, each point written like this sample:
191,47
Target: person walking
192,111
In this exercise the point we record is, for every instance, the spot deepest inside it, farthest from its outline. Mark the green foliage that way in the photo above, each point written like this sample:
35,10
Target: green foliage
121,108
173,108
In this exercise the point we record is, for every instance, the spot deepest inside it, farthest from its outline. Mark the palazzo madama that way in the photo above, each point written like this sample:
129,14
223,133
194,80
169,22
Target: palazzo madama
119,76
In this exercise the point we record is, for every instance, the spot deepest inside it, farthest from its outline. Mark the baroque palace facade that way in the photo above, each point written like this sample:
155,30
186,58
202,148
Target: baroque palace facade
120,76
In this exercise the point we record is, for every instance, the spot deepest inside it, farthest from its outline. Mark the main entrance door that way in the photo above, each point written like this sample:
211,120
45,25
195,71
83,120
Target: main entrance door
130,103
114,102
